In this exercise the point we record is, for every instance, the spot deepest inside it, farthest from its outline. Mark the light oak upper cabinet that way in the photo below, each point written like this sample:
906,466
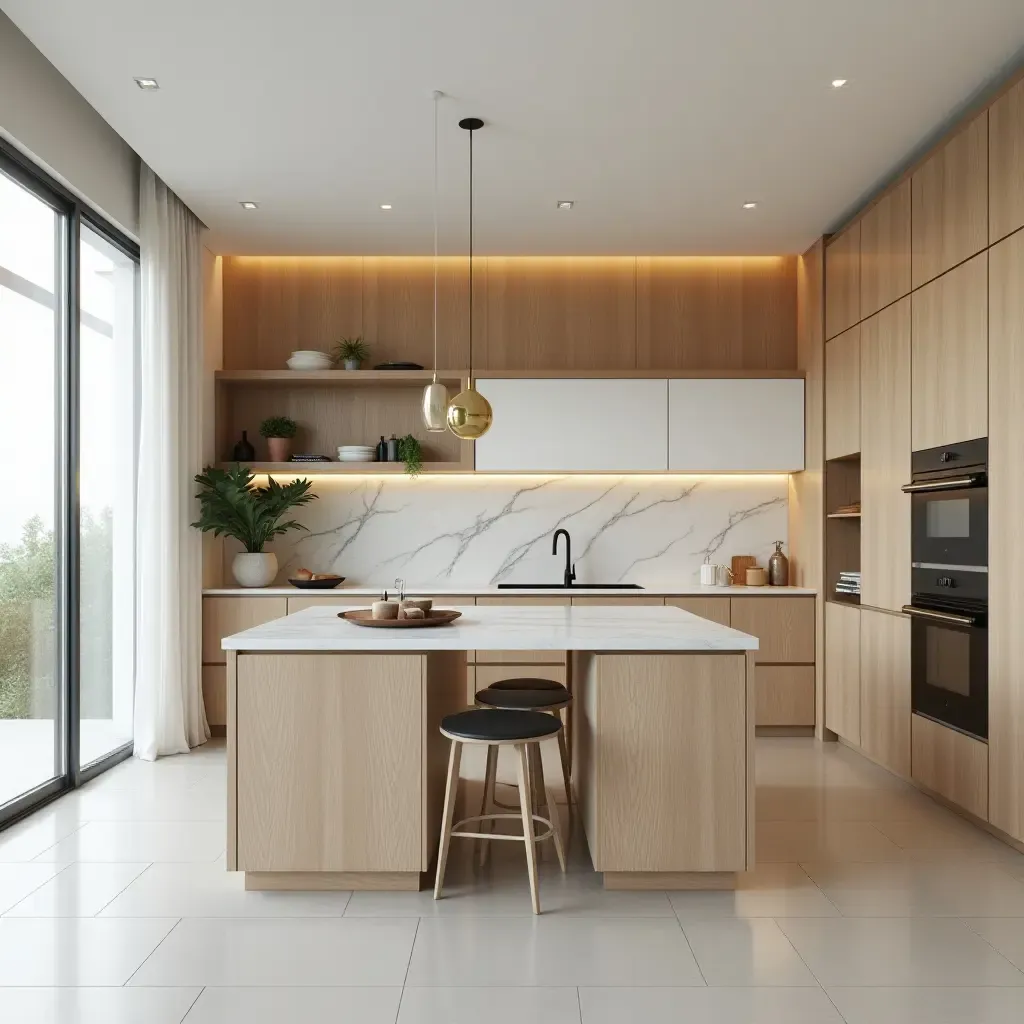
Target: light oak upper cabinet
842,281
949,357
1006,539
556,425
885,457
736,424
842,395
1006,163
885,689
842,670
885,250
950,202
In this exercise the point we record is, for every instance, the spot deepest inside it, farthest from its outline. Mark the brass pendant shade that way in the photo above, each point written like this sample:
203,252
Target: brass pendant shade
469,414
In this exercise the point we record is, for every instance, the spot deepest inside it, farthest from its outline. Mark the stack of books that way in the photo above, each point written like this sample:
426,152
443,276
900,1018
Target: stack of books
307,457
853,509
849,583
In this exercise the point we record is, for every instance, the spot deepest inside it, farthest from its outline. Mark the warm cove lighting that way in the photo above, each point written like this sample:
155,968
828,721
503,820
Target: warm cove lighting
470,476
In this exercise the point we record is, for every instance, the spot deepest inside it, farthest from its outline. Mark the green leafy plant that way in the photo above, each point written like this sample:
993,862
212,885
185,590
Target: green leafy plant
410,451
278,426
230,505
351,348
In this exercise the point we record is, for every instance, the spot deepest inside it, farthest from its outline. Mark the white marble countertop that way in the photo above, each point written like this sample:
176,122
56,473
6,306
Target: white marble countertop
558,628
694,590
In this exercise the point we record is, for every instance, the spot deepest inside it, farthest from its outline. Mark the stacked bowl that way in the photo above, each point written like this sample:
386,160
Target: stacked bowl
309,359
357,453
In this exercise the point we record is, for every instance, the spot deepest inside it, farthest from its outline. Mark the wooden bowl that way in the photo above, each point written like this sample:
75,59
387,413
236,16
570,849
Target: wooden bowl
364,617
328,584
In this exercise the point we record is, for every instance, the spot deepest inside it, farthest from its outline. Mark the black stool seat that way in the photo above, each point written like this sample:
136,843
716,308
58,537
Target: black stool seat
527,684
520,700
493,725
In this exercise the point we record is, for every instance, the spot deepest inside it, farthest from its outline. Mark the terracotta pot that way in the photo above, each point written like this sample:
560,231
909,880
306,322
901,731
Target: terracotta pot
252,569
280,448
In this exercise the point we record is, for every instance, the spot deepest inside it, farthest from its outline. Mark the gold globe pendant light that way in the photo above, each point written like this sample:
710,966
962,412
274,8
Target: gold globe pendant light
435,394
469,413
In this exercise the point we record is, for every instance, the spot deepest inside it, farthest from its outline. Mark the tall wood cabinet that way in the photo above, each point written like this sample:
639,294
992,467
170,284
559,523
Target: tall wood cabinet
842,281
885,457
1006,163
885,250
885,689
842,394
842,670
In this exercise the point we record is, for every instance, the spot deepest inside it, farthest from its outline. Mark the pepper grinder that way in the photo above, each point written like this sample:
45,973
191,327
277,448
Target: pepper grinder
778,567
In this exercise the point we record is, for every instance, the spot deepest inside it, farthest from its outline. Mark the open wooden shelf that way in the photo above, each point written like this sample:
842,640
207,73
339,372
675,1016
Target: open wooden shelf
836,598
346,378
342,468
842,529
843,515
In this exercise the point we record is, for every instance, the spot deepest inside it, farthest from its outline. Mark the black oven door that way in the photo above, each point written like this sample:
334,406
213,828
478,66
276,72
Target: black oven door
949,667
950,523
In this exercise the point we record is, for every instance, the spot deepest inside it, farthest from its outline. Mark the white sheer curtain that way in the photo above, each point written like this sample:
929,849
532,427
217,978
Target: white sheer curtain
169,713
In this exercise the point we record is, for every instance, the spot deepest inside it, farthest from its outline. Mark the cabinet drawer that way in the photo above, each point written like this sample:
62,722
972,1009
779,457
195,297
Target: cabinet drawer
223,616
783,625
785,695
717,609
951,764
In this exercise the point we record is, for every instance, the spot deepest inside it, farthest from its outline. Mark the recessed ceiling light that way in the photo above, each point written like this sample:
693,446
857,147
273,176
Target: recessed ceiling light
838,83
248,204
385,206
565,204
750,206
147,83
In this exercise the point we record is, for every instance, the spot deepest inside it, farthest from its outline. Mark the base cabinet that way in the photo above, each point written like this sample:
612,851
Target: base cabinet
842,671
885,689
951,764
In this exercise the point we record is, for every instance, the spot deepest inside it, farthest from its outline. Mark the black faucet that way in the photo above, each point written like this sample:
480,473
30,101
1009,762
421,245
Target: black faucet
570,569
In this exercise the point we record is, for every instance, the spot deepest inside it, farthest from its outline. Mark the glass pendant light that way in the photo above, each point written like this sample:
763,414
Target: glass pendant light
435,394
469,413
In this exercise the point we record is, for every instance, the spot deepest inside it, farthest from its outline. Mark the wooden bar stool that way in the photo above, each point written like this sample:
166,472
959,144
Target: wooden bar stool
495,728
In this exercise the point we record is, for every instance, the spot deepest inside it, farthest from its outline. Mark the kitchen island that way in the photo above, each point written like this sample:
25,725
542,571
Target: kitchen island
336,767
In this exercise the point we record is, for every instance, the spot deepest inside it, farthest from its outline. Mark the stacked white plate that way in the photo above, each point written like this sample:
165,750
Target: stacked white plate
309,359
357,453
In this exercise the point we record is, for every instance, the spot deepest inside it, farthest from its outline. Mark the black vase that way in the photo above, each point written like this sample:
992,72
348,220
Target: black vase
243,451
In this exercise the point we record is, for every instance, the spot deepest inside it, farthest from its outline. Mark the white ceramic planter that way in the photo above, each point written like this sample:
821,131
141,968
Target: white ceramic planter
254,570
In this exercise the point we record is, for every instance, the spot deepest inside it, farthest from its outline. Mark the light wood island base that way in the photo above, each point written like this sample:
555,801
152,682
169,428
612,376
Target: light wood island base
335,881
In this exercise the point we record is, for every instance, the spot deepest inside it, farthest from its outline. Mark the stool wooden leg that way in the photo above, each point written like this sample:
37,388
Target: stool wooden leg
487,800
563,752
523,772
451,788
550,807
538,793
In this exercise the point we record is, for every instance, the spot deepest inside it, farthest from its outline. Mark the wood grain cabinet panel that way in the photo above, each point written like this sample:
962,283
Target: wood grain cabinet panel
951,764
950,203
842,670
842,281
783,625
224,616
626,601
885,457
717,609
785,695
697,313
949,357
885,250
1005,500
215,698
488,675
1006,163
885,689
842,395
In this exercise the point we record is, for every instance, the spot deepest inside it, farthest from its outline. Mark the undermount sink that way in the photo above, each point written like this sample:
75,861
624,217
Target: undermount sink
573,586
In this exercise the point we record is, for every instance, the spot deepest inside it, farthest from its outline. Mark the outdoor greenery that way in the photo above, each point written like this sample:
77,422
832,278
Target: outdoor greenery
410,451
232,506
351,348
278,426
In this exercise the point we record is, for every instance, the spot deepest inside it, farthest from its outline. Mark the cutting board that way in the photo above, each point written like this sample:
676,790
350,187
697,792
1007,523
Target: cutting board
740,565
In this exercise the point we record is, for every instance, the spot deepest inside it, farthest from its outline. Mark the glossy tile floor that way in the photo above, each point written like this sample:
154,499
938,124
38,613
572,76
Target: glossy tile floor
871,905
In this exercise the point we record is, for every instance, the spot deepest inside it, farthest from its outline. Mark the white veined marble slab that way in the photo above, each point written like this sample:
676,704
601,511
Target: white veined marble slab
646,628
581,590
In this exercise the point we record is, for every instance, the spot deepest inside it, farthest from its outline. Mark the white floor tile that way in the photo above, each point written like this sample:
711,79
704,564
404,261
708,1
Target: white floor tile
28,839
930,1005
823,841
707,1006
495,1006
131,841
210,890
80,890
771,890
76,951
746,952
1007,936
298,1005
18,880
95,1005
895,951
279,951
551,950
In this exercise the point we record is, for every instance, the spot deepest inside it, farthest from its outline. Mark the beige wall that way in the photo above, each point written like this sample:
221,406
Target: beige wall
44,116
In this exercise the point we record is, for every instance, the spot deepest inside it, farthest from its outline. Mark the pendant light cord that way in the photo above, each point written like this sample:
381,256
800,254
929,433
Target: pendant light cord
437,96
471,258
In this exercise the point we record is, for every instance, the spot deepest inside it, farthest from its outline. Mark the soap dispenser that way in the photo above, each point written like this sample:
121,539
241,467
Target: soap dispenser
778,567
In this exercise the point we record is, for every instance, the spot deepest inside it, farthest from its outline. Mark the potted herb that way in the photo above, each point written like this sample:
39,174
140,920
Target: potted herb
230,505
410,451
279,431
351,352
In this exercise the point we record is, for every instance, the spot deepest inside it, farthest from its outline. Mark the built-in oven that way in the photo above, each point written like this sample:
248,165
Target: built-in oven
949,585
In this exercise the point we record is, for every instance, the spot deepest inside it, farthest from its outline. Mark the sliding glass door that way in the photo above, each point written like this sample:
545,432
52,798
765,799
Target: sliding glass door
68,330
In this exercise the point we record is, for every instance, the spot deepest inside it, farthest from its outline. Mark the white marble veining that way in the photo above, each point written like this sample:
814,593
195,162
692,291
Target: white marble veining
644,628
346,592
459,532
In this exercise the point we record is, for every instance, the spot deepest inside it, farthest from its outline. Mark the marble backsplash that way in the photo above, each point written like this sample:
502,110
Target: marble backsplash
464,530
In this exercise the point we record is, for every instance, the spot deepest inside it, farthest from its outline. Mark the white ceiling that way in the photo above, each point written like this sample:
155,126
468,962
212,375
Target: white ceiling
658,117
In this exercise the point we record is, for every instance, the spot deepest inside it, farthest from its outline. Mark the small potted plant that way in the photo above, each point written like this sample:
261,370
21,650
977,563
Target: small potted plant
351,352
410,451
230,505
279,431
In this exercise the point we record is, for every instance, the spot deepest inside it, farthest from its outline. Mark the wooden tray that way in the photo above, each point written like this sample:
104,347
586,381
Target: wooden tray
328,584
364,617
740,565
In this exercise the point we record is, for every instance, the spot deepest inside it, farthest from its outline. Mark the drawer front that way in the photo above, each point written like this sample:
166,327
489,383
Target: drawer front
783,625
785,695
951,764
223,616
716,609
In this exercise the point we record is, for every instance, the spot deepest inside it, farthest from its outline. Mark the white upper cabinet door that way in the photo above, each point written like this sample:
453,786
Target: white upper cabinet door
554,425
736,424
